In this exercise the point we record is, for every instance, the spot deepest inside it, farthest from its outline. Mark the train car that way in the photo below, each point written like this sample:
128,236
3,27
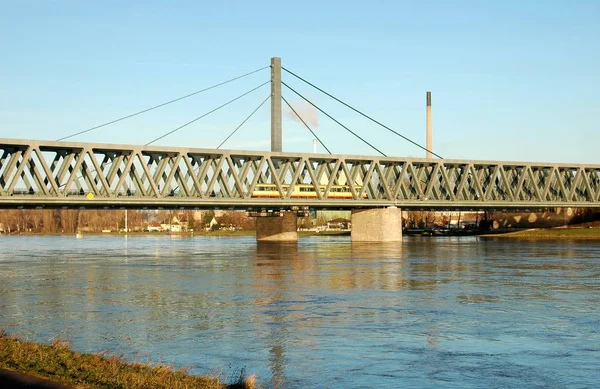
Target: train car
304,191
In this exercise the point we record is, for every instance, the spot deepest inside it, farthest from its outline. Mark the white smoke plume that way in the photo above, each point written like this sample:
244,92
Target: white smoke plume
306,111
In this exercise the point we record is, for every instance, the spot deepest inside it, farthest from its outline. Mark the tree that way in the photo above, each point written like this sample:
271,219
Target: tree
321,220
207,217
36,217
163,216
227,219
420,219
69,220
304,222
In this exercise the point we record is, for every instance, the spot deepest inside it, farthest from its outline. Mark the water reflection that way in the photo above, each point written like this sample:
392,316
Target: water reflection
459,312
271,272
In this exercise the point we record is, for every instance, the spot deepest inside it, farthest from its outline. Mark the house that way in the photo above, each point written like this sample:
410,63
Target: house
213,222
175,226
219,223
339,224
154,227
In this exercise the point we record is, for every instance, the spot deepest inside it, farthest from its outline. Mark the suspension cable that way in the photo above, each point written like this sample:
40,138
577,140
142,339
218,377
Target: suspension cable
330,117
303,122
359,112
245,120
163,104
230,135
261,104
206,114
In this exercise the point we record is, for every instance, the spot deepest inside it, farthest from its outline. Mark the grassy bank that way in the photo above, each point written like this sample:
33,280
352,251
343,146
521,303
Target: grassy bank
57,362
225,233
553,233
323,233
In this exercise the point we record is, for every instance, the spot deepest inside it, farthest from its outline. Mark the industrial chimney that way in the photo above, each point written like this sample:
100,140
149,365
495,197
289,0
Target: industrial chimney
429,134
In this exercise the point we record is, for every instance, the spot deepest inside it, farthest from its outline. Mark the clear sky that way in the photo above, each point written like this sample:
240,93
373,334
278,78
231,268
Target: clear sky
510,80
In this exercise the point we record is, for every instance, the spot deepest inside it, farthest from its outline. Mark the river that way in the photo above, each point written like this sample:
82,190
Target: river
425,313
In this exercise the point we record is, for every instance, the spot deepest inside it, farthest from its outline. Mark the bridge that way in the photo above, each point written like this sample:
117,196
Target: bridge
61,174
49,174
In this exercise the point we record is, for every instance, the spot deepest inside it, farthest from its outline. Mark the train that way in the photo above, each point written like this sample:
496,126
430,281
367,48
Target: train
305,191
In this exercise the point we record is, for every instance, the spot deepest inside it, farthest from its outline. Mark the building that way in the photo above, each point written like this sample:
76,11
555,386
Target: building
339,224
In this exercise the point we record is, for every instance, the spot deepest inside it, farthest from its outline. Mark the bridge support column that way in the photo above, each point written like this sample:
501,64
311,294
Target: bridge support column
377,225
277,229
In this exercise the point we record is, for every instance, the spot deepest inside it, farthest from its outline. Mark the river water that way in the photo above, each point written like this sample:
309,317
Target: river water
425,313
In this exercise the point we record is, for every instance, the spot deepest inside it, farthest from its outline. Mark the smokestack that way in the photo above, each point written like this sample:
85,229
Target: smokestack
429,134
314,146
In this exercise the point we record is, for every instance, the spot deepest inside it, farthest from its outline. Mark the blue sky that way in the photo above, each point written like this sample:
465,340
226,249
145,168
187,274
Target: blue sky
511,80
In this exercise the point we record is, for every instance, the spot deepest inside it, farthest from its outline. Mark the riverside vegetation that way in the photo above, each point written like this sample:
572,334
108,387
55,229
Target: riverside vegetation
57,362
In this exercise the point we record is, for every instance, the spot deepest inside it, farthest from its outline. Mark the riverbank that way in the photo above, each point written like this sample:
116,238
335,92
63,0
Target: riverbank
146,233
551,233
58,363
195,233
534,233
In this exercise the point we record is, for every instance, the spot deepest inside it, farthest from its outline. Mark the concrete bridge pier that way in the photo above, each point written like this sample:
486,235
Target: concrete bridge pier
277,229
377,225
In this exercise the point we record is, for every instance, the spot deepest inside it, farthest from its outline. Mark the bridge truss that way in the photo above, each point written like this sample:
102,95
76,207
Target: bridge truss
85,175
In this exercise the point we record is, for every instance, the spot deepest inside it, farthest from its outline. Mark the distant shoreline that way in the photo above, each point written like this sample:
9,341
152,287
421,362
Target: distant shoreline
580,233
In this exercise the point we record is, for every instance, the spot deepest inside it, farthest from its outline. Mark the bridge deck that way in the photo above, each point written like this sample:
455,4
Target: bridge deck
36,173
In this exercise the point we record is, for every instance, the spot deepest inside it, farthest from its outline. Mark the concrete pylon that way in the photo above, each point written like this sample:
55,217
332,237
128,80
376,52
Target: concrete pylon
377,225
276,142
277,229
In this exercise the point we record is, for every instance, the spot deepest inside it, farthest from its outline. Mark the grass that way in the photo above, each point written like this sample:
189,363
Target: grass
323,233
554,233
57,362
226,233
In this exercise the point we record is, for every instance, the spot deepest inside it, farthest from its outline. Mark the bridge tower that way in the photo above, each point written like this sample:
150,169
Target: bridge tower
276,143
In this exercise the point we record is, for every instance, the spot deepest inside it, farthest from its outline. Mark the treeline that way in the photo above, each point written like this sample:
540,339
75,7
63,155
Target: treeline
61,220
536,218
74,220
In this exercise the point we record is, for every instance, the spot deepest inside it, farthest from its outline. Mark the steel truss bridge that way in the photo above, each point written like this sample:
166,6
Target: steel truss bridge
48,174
